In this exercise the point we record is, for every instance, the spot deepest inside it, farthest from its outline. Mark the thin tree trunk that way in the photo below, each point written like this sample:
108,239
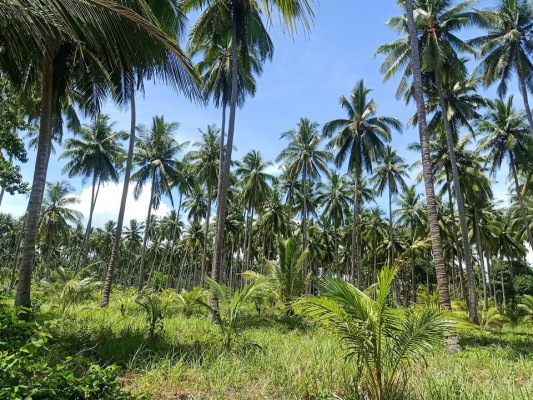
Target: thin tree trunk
525,219
82,259
481,260
23,296
523,91
304,217
503,286
391,238
440,267
413,278
106,292
471,299
355,234
224,179
140,280
249,244
206,236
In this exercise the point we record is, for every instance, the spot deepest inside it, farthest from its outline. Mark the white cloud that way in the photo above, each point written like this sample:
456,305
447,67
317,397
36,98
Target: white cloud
274,169
108,204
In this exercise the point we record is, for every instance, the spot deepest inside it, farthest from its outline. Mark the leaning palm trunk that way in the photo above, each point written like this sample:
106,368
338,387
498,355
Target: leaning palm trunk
140,281
471,299
224,177
82,258
523,91
23,296
104,301
440,268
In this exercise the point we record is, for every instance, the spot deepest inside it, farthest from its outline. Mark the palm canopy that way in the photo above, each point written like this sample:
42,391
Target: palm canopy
360,136
96,152
410,212
155,155
390,172
335,198
303,154
205,158
254,178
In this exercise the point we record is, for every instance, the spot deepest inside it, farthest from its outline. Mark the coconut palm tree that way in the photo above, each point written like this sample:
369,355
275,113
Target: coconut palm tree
97,155
507,138
334,196
56,215
359,141
390,172
155,155
304,158
505,48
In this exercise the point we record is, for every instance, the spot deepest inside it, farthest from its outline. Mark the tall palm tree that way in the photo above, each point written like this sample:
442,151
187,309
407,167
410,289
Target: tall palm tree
205,165
438,259
304,158
359,140
390,172
75,44
97,155
334,196
436,25
254,181
506,47
507,138
56,215
241,18
155,156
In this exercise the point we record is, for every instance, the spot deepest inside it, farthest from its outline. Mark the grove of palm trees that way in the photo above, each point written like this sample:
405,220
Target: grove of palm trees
177,222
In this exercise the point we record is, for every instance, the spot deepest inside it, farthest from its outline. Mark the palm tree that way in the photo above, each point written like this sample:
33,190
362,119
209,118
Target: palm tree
506,48
243,20
410,215
359,140
391,173
56,215
438,259
507,138
254,181
206,169
155,156
334,197
96,154
305,158
76,44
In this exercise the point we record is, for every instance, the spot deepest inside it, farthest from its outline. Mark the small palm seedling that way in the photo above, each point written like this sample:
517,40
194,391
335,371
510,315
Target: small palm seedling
126,299
153,309
527,307
231,303
71,287
190,301
491,319
383,341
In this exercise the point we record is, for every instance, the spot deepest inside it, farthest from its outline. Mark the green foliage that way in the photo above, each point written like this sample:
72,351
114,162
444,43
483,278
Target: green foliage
231,304
191,301
382,340
527,307
523,284
490,319
152,306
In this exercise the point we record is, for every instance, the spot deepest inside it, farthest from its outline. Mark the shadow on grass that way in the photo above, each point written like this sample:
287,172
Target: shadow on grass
519,344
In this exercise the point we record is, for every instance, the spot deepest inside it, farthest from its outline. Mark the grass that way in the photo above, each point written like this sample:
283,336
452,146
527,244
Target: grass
278,357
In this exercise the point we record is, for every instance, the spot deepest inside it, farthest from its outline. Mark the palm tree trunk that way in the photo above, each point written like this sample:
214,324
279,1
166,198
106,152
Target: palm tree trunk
481,260
82,258
471,299
521,199
304,217
523,91
503,286
249,244
206,236
355,233
140,281
106,292
390,224
440,267
23,296
413,278
223,188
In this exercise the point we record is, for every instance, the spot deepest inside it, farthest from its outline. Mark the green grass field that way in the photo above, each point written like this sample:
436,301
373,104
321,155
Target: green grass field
277,357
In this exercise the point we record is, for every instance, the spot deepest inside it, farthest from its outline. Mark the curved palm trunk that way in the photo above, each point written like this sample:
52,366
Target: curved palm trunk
471,299
82,258
223,187
140,280
23,296
355,234
523,91
106,292
525,219
440,268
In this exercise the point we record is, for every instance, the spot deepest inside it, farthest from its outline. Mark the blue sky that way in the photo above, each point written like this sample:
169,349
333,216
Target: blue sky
306,77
